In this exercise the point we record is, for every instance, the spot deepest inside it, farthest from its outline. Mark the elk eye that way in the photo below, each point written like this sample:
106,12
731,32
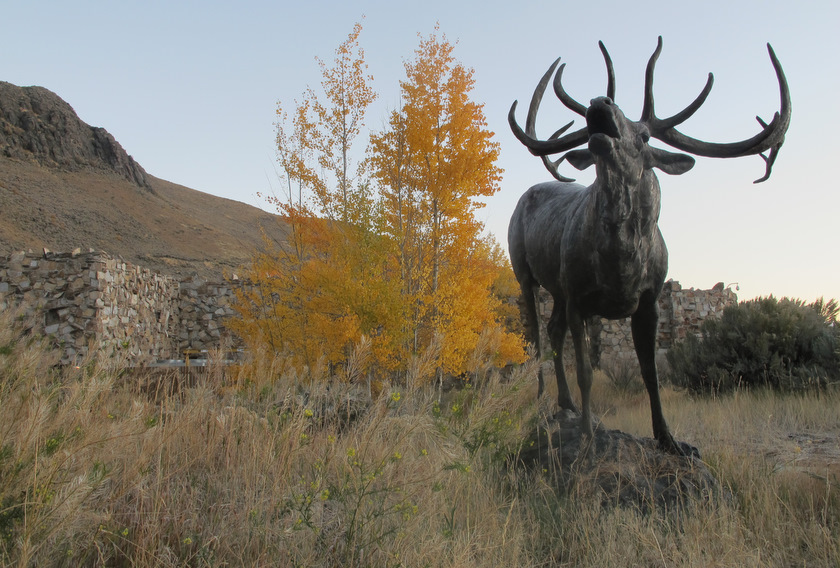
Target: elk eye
644,135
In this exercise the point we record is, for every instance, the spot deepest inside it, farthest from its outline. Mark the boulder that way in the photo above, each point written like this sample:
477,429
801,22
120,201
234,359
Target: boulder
617,468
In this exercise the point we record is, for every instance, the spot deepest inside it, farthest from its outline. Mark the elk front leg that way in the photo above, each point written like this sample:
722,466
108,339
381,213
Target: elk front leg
580,338
557,328
644,327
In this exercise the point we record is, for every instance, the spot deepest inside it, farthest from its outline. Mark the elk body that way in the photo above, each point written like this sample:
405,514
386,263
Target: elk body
598,250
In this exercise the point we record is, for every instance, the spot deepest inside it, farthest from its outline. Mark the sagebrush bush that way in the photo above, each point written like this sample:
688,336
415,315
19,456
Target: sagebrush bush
624,374
782,344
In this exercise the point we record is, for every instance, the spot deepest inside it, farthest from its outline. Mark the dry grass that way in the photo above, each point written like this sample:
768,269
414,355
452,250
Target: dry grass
171,229
103,468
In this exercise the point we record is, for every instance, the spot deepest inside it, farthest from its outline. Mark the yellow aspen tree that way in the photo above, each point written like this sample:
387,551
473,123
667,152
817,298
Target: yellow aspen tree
326,284
404,223
399,265
434,162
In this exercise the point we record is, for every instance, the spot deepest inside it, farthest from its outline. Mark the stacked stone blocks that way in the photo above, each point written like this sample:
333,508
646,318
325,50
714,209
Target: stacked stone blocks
90,300
681,312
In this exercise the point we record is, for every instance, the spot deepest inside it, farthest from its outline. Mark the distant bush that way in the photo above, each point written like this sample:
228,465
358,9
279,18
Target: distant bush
623,374
782,344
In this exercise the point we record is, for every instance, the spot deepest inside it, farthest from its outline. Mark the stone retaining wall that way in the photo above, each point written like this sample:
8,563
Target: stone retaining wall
203,308
85,300
90,300
681,312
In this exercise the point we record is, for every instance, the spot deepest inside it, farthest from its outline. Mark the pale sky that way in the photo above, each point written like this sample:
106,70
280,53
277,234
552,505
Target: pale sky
190,90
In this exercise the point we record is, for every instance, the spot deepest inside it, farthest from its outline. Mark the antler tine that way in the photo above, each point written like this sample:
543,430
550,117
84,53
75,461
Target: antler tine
571,103
546,147
564,97
563,129
784,118
536,99
610,71
555,144
554,168
648,112
647,107
771,137
770,159
688,111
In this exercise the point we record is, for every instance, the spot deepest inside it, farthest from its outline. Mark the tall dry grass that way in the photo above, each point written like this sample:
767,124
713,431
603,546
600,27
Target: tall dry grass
253,466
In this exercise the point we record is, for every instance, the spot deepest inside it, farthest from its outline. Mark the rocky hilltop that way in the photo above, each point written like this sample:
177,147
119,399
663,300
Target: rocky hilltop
65,185
36,124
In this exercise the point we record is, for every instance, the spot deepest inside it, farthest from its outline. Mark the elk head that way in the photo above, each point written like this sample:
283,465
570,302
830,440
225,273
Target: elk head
615,140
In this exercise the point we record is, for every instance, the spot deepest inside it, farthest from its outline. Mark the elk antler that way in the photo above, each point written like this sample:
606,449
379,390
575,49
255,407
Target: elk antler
555,143
572,104
771,137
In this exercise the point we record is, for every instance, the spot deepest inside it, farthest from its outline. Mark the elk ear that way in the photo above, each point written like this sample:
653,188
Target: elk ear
580,159
669,162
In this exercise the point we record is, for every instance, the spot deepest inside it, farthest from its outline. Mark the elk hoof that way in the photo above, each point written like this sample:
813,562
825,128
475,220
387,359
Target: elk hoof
586,429
671,446
568,406
688,450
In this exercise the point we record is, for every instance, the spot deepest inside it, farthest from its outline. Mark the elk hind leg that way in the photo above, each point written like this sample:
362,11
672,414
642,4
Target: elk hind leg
530,295
557,328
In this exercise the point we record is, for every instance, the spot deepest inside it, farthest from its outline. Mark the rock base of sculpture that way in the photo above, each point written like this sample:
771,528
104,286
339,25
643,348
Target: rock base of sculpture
616,468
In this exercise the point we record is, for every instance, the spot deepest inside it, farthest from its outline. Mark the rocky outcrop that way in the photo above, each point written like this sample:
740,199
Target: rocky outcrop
621,469
36,124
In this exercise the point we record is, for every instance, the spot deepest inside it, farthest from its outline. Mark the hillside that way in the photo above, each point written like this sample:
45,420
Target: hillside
67,185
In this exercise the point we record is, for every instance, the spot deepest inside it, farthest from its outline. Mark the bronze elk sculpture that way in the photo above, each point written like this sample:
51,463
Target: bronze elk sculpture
598,250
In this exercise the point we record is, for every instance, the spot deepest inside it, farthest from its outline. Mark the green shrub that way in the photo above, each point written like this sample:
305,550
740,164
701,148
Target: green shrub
782,344
623,374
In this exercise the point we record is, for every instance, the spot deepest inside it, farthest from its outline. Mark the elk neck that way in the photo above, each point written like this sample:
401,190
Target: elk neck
622,220
624,203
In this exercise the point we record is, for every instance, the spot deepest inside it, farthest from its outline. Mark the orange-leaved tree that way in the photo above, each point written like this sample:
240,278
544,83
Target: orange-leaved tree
434,162
387,248
313,296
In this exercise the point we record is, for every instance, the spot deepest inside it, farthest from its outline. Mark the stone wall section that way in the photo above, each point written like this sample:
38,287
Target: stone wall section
90,300
681,312
57,295
203,308
690,307
138,309
93,301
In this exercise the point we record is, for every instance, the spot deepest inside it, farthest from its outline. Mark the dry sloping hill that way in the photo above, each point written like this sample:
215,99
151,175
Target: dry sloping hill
66,185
